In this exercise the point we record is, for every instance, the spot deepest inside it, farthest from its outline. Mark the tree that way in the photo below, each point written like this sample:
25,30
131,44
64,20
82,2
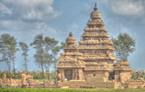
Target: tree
50,43
47,63
62,45
39,44
25,49
13,52
55,54
124,45
134,77
42,46
8,50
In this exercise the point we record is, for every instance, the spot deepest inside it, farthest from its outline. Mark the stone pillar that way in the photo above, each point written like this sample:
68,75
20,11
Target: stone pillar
117,76
75,74
106,74
81,76
58,75
4,77
62,74
23,78
122,77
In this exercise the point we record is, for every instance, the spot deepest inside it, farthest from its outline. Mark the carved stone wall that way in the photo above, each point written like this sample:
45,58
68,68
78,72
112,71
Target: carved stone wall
94,73
124,76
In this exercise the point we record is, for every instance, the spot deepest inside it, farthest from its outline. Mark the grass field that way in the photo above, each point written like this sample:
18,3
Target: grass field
67,90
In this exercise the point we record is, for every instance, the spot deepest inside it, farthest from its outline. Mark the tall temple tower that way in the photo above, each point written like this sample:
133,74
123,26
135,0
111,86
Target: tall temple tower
96,47
93,57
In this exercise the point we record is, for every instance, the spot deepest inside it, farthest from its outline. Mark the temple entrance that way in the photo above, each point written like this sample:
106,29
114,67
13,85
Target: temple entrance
68,74
111,75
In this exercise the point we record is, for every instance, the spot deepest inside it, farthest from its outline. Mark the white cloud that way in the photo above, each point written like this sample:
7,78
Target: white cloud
20,23
5,10
126,7
27,31
33,9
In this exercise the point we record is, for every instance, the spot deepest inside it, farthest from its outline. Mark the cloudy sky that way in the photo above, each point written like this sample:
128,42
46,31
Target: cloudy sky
24,19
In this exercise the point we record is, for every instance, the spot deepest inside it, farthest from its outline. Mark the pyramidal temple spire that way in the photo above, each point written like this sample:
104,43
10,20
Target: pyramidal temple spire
95,8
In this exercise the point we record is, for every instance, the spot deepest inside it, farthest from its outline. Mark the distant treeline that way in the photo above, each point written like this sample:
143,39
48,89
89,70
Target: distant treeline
35,74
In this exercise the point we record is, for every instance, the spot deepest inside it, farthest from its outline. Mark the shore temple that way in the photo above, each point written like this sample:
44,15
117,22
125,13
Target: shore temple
92,61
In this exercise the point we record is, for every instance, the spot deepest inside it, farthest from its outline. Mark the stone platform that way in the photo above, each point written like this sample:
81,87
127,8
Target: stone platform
98,82
74,83
91,82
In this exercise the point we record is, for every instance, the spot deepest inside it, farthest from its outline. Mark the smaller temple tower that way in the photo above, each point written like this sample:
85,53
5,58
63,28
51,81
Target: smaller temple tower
70,66
122,71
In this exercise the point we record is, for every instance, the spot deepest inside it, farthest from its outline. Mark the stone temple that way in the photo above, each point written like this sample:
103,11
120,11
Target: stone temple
92,61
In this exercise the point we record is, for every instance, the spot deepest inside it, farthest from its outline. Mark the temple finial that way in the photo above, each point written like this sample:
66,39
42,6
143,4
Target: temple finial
70,34
95,8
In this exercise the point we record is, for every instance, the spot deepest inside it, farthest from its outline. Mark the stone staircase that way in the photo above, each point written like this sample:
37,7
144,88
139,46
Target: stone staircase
94,80
98,82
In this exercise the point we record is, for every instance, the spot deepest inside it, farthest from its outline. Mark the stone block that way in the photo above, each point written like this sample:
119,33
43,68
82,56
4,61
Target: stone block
4,77
66,83
94,80
23,77
76,83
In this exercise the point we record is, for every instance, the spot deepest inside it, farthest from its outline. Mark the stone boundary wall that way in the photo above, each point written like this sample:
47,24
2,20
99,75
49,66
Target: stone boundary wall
27,81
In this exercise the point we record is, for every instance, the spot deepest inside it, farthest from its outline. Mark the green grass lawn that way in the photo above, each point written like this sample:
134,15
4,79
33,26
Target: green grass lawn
67,90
